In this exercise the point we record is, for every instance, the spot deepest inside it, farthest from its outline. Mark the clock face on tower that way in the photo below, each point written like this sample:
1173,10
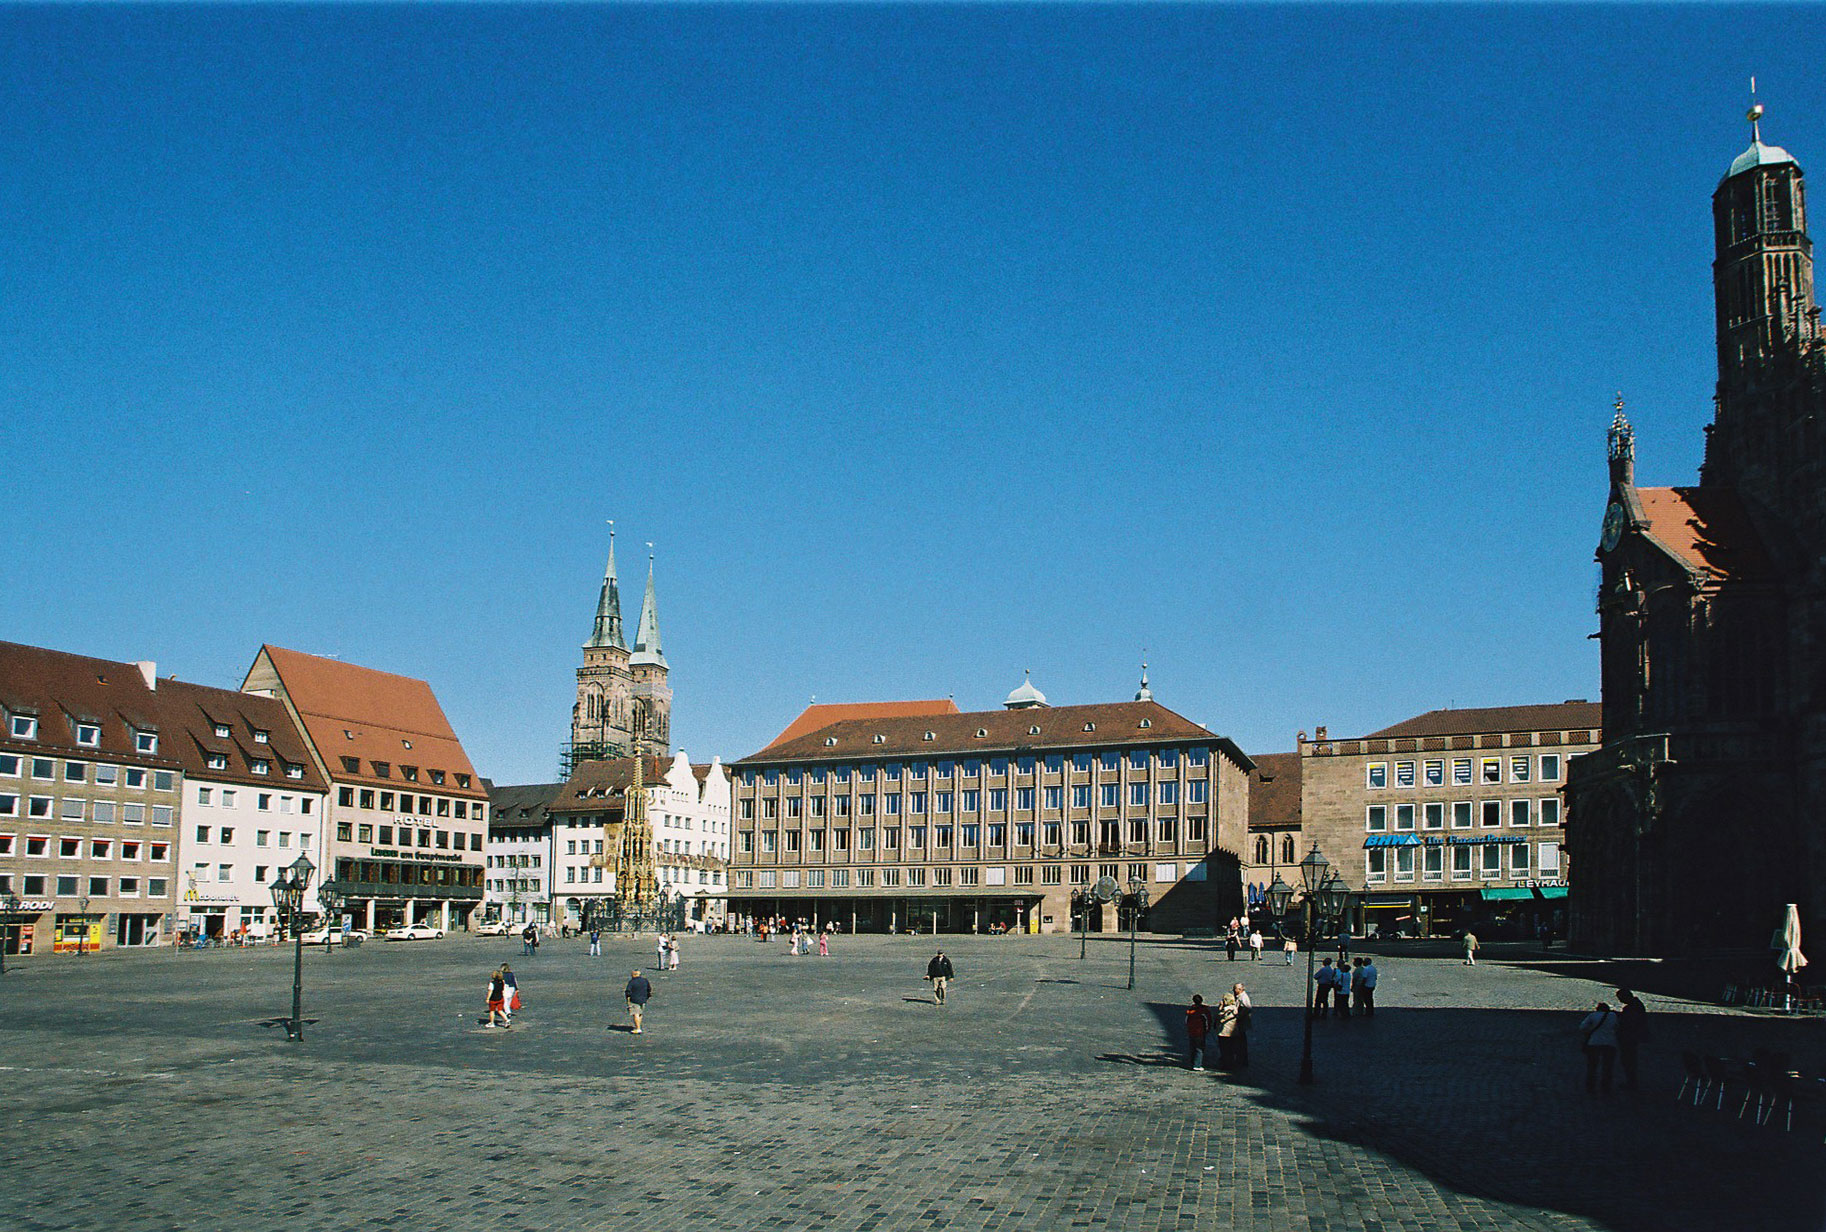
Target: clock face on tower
1613,526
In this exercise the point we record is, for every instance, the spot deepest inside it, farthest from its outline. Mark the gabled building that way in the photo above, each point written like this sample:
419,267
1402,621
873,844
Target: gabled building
1275,832
89,796
1700,818
915,817
408,814
518,853
254,801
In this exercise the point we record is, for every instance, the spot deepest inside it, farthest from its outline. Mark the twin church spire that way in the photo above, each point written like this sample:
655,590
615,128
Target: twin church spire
623,699
608,631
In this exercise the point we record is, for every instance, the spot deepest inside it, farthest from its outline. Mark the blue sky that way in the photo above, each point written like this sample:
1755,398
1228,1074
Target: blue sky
926,343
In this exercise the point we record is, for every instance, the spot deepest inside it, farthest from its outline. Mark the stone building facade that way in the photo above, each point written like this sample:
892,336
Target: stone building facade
1701,815
620,690
1450,818
914,817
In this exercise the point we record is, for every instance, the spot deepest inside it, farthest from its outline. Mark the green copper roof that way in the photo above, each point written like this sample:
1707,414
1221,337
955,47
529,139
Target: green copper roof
646,638
1758,155
608,609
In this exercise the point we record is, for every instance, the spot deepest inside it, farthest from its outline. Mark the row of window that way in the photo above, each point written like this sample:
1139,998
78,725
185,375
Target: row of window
1482,861
262,838
78,808
973,834
388,872
1465,814
38,847
428,806
971,767
22,725
593,876
1522,767
263,800
384,770
102,774
970,800
255,765
965,876
401,836
226,873
71,885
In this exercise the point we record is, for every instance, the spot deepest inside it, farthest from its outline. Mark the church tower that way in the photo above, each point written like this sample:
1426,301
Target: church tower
1763,442
648,664
602,719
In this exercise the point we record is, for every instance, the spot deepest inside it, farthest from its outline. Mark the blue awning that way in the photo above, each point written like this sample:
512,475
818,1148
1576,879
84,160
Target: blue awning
1392,840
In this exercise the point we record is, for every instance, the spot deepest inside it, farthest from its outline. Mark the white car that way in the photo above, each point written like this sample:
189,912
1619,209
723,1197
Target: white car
415,932
493,928
319,936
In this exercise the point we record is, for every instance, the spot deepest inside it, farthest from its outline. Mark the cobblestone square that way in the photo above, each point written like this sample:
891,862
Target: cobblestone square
141,1092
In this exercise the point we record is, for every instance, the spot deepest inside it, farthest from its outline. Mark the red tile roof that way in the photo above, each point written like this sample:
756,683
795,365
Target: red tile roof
64,689
1706,530
1045,727
601,786
1555,716
823,714
372,716
1274,790
191,713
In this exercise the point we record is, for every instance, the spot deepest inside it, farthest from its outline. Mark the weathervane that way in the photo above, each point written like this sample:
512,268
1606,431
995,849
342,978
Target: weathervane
1754,115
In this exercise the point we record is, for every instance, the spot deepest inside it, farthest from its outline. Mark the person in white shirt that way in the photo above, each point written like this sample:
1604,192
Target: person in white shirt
1255,946
1599,1031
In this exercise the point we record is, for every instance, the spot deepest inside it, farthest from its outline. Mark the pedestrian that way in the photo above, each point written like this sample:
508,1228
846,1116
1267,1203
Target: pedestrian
511,987
497,999
595,943
1233,1014
1255,946
659,952
672,952
1290,947
1343,947
1599,1031
1340,989
1230,944
824,944
1470,948
1199,1022
1632,1033
639,991
1365,984
940,972
1323,980
529,938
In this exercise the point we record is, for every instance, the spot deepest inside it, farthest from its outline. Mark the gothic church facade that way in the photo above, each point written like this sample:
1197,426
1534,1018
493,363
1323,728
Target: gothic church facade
622,692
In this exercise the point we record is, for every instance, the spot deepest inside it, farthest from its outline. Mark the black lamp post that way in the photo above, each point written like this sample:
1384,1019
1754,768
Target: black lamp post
288,896
82,923
9,908
331,895
1312,878
1279,896
1138,903
1081,905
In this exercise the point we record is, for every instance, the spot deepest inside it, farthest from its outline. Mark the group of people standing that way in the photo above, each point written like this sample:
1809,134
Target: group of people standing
1227,1023
1337,988
802,942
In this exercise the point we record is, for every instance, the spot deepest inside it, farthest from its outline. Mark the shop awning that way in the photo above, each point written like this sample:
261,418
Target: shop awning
1504,894
1392,840
1551,891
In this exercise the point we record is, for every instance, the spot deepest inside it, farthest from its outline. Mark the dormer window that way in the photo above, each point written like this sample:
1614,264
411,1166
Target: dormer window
982,733
1090,727
437,776
1033,731
829,741
145,742
221,730
24,727
351,765
930,736
1147,722
462,780
260,766
407,743
409,773
262,737
216,761
293,771
88,735
880,739
383,769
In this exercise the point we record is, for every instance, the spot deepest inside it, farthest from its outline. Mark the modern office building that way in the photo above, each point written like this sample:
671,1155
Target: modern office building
1700,818
1449,818
90,790
408,814
518,853
934,820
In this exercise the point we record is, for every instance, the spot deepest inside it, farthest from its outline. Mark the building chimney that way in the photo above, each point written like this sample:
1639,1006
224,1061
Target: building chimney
1318,733
150,671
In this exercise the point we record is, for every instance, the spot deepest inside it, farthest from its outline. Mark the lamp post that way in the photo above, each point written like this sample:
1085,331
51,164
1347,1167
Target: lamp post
1138,903
9,907
82,923
1312,877
288,895
1081,904
331,895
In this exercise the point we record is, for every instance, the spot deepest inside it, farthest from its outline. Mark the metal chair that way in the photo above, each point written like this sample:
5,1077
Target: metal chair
1695,1078
1718,1074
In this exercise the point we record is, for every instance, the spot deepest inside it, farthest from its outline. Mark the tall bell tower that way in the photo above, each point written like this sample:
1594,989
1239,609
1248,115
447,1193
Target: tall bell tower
602,721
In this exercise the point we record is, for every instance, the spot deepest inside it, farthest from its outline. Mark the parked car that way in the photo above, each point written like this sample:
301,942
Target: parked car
493,928
320,936
415,932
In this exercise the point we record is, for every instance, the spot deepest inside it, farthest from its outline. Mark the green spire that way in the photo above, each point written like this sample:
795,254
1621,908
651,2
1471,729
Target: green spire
646,638
608,607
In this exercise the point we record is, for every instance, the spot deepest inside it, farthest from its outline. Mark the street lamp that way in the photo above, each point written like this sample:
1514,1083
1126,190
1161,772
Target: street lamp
82,923
331,895
9,907
1081,905
1138,903
1322,893
288,896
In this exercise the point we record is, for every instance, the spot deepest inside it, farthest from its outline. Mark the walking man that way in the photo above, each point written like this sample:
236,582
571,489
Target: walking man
940,973
1632,1030
529,940
1470,948
1340,989
1365,984
1290,947
1322,982
639,992
1199,1021
595,943
1255,946
1599,1030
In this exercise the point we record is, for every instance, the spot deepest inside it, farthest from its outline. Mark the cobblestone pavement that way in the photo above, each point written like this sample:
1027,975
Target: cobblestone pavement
138,1091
